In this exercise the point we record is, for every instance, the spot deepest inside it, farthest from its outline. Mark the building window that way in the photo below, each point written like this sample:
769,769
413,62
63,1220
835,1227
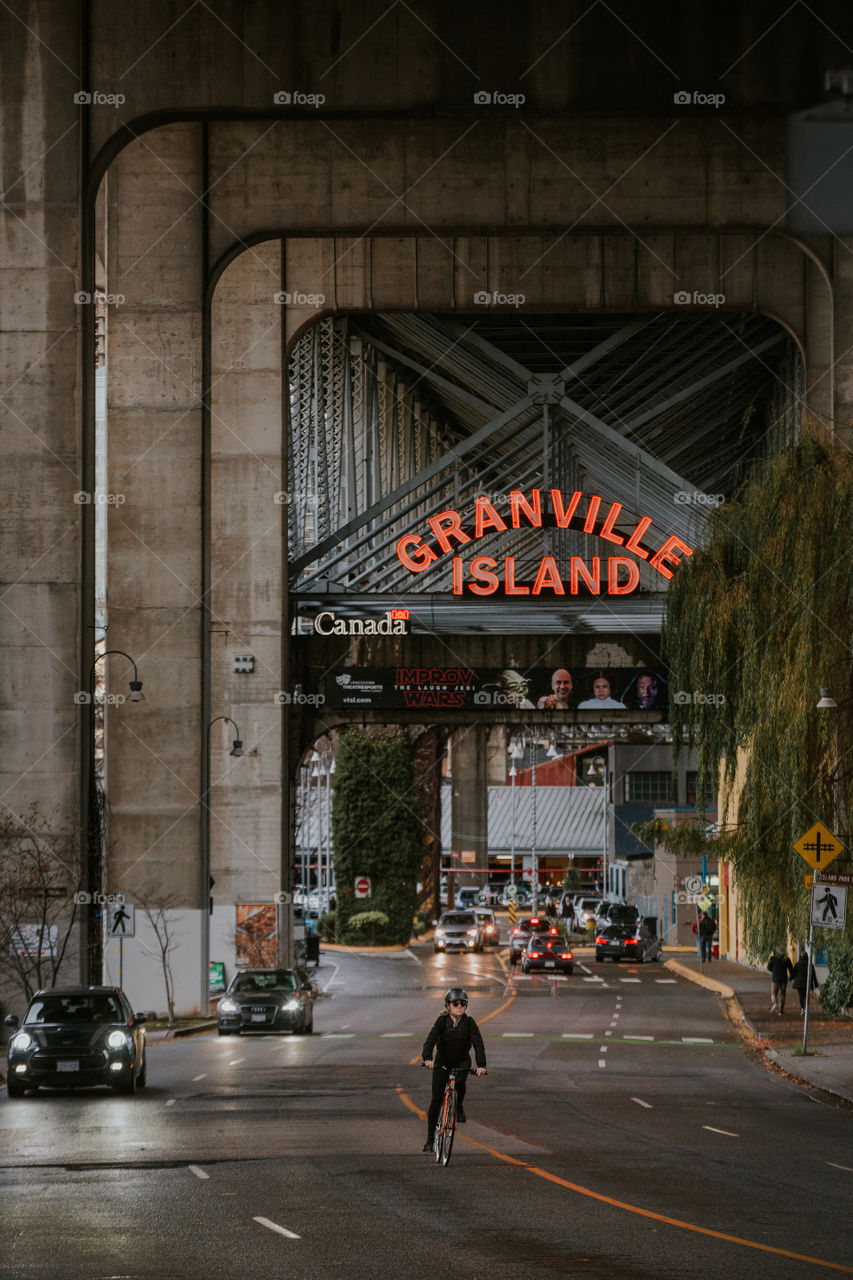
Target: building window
646,787
692,776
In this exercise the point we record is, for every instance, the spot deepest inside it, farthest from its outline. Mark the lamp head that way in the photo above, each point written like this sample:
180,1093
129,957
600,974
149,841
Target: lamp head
237,749
827,702
136,694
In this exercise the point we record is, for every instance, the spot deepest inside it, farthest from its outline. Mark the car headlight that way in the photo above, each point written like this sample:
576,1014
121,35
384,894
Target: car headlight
21,1041
439,933
290,1006
229,1006
117,1040
472,933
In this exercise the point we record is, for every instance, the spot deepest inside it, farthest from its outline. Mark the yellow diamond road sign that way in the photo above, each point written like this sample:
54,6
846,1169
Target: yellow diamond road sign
818,846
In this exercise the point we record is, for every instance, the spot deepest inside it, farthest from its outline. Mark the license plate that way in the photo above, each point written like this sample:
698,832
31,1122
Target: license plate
68,1066
550,964
259,1017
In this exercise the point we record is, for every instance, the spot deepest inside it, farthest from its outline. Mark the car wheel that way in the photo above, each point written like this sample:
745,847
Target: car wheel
15,1090
142,1078
127,1087
599,959
222,1032
570,968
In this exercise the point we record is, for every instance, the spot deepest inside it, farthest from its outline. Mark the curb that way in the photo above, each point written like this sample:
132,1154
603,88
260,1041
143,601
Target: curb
710,984
364,951
179,1033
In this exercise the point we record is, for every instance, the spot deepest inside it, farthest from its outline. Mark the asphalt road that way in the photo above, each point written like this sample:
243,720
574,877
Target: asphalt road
622,1131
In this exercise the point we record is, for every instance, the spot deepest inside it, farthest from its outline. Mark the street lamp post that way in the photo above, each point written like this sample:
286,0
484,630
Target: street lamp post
205,879
516,752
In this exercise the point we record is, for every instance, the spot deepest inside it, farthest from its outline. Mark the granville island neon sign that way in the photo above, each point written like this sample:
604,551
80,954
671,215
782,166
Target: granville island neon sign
619,574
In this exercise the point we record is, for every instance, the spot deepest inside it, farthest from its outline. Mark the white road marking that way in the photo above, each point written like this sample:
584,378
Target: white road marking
615,1017
638,1037
630,979
518,1035
640,1103
396,1035
594,979
273,1226
666,982
171,1102
236,1061
199,1173
577,1035
845,1167
696,1040
603,1048
334,976
725,1132
201,1077
333,1035
608,1033
602,1062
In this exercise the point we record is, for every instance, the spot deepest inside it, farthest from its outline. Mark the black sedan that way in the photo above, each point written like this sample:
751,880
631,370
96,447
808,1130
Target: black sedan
266,1000
547,952
520,933
75,1037
628,942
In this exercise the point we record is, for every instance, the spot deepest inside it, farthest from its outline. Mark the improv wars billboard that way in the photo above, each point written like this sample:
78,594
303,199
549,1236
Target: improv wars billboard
494,689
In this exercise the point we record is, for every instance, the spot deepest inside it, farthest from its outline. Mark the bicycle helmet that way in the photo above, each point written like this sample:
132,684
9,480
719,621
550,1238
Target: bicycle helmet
456,993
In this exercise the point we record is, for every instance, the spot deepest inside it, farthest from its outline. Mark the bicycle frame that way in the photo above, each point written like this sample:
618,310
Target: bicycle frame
445,1128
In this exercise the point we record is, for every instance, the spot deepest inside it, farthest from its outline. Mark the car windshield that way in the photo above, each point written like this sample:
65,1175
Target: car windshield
275,980
624,914
542,940
81,1008
459,917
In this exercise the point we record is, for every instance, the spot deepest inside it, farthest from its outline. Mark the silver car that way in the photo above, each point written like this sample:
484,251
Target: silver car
460,929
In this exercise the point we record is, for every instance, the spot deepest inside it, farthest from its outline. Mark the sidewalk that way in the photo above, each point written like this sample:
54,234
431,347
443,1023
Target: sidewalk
829,1062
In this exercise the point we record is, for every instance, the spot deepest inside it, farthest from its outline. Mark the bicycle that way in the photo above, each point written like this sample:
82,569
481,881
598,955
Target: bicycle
445,1129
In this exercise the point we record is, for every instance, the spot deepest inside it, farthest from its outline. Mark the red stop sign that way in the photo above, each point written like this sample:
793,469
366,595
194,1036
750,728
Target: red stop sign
362,887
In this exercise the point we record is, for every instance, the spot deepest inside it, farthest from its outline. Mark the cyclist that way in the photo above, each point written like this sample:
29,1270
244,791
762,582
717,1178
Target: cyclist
452,1037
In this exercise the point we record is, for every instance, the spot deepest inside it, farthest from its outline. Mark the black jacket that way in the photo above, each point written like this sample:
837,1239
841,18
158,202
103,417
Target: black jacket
798,981
454,1044
780,968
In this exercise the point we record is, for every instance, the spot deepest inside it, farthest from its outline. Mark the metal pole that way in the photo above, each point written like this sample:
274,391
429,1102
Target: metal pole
513,771
809,966
534,860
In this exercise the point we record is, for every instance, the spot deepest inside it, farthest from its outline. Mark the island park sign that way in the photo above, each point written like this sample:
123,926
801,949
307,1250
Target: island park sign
483,575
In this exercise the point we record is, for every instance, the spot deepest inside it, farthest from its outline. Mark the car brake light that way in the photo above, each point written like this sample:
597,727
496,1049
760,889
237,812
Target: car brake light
534,955
553,931
601,942
631,942
566,955
534,920
515,931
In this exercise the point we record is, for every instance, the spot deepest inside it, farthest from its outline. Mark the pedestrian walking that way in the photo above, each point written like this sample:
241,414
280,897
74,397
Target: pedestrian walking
700,916
781,970
707,929
800,978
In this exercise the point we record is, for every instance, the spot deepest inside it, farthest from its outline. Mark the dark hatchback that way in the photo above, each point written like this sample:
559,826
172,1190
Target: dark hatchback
520,934
545,952
73,1037
268,1000
637,941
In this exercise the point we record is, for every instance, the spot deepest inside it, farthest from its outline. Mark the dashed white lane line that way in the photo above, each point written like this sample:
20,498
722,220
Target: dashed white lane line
638,1037
236,1061
518,1035
595,978
845,1167
602,1062
336,1035
171,1102
666,982
630,979
725,1132
640,1103
615,1018
577,1035
396,1035
602,1048
199,1173
201,1077
696,1040
608,1033
273,1226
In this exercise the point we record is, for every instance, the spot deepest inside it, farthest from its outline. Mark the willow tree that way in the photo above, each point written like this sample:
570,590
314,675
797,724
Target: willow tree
378,832
757,620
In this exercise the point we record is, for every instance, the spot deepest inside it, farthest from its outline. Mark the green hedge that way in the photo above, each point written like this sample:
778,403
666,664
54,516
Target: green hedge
377,832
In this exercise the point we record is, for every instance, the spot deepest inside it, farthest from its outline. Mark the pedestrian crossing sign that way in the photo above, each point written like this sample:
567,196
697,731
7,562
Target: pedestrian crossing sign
818,846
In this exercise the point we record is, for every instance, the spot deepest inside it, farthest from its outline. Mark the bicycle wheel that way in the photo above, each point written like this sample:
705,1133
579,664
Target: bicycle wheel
449,1130
438,1140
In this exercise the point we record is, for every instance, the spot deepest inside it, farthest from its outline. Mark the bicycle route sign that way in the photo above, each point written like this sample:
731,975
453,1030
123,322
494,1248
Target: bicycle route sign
818,846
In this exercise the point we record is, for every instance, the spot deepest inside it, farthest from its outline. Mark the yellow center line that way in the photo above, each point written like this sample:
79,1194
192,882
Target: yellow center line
629,1208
